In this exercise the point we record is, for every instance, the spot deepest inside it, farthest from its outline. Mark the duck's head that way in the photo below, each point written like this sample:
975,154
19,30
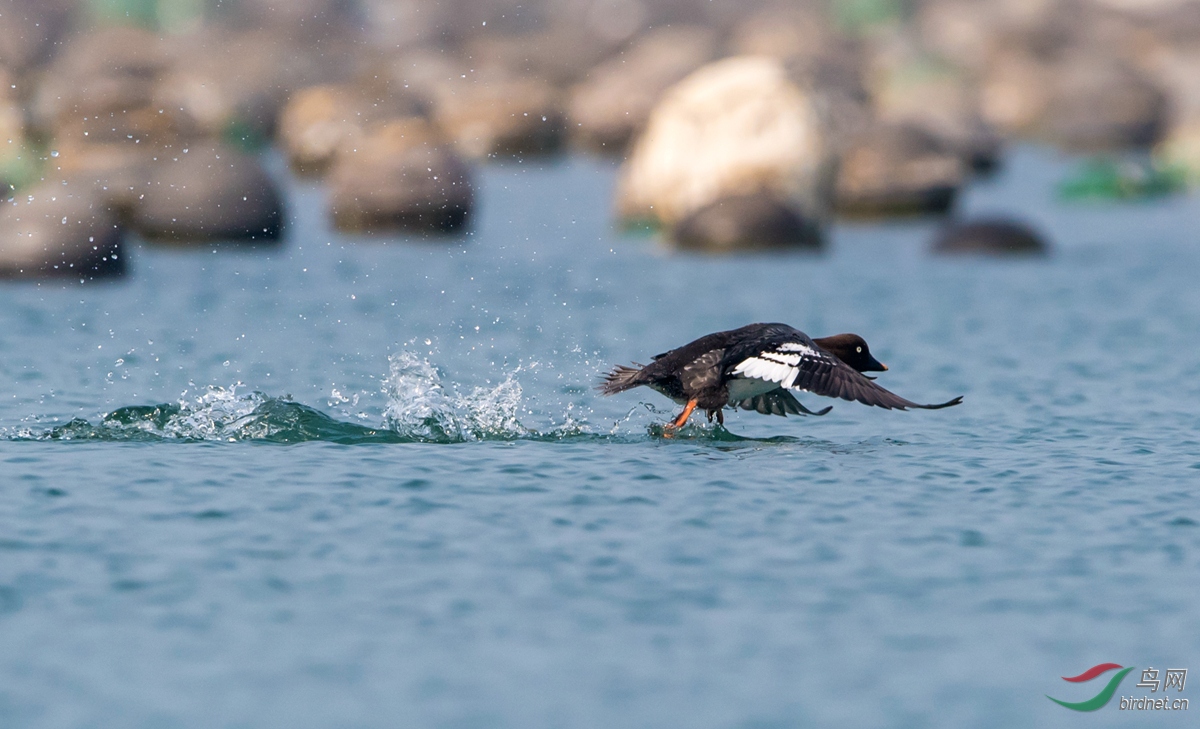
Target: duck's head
853,350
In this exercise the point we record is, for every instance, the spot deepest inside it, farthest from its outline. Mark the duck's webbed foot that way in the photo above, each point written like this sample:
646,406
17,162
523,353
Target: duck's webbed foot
669,430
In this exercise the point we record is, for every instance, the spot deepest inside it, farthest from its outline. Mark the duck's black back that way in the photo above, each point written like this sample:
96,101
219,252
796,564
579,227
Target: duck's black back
736,345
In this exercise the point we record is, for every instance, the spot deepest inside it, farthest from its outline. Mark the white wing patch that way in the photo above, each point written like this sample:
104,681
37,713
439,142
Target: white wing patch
762,368
781,364
797,347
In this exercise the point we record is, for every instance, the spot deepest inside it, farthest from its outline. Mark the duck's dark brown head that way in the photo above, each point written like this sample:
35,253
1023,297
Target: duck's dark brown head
851,349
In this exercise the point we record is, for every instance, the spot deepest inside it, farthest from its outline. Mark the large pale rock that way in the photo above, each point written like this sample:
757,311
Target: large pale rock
60,229
607,109
205,192
739,126
898,170
401,176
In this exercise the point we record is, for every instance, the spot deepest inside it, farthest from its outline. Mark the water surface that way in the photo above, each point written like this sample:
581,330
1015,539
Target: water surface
365,482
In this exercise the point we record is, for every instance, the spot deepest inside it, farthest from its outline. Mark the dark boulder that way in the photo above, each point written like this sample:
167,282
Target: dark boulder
60,229
402,176
746,223
206,192
999,237
898,169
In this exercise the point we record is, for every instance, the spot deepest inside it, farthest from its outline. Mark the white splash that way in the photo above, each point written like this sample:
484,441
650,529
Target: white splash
420,406
217,414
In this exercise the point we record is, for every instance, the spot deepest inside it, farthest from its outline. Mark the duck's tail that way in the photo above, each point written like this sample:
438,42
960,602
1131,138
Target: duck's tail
620,379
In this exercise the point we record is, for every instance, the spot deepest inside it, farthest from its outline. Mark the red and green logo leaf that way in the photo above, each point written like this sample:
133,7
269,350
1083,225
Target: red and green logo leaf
1105,694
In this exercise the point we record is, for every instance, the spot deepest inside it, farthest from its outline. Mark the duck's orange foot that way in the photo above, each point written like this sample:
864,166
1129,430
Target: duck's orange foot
669,430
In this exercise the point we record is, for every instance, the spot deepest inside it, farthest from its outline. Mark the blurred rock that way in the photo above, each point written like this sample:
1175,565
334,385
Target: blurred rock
492,113
307,20
102,89
116,172
616,21
484,111
997,236
400,24
1099,104
560,55
965,32
938,99
612,105
786,32
19,161
746,223
1180,150
233,85
205,192
898,169
425,71
60,229
400,176
29,29
319,119
1083,101
818,55
1174,70
1015,93
739,126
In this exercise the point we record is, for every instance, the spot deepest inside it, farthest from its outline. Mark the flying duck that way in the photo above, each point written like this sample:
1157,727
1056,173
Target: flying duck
754,367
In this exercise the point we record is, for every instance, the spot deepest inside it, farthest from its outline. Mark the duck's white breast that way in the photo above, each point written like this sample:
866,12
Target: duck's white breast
744,388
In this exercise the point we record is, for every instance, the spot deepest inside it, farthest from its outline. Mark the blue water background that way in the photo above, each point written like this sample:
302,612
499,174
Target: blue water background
561,565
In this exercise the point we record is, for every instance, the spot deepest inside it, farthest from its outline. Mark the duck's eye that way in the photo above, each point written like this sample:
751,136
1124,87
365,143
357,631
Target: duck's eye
859,349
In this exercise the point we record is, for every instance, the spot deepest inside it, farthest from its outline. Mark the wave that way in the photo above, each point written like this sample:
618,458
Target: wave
420,408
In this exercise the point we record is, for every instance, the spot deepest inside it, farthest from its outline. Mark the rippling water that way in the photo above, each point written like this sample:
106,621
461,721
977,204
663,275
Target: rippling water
363,482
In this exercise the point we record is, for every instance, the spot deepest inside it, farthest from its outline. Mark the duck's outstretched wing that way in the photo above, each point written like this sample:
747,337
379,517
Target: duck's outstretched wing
801,365
778,402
